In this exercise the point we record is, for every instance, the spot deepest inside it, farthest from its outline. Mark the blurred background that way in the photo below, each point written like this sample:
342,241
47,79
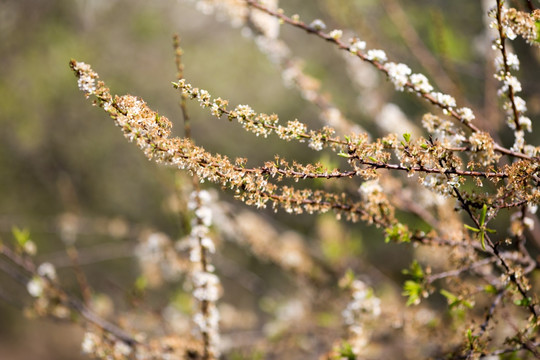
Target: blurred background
62,159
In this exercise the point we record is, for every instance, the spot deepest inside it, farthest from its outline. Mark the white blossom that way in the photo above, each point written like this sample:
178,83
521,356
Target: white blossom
525,123
35,286
421,83
336,34
89,343
466,114
369,187
444,99
521,105
204,214
398,74
357,45
376,55
47,270
318,25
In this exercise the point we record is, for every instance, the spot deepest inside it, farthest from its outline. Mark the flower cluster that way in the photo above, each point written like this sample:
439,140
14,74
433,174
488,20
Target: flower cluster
206,285
86,82
364,308
398,74
506,22
520,23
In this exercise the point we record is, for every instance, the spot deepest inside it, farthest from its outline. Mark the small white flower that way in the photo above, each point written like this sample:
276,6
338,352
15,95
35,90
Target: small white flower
206,286
89,343
520,140
208,244
356,46
336,34
398,74
525,122
513,61
521,105
317,25
376,55
511,81
421,83
530,150
510,34
35,286
204,214
466,114
47,270
30,247
444,99
370,187
195,254
87,84
528,222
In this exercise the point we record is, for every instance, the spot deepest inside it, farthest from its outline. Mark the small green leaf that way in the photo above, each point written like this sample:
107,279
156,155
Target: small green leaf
454,301
22,236
413,291
449,296
342,154
424,146
483,215
469,335
346,351
407,137
490,289
415,271
471,228
398,233
373,159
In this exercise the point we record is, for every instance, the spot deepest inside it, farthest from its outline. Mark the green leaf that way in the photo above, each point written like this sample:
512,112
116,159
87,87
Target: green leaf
454,300
407,137
373,159
346,351
415,271
22,236
471,228
398,233
413,291
469,335
483,215
483,239
449,296
342,154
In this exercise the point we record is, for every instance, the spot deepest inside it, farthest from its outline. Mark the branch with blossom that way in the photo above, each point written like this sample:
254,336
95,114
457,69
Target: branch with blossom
445,195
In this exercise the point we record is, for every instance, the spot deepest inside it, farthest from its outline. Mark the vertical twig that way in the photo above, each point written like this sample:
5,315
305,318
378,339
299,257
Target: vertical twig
204,304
